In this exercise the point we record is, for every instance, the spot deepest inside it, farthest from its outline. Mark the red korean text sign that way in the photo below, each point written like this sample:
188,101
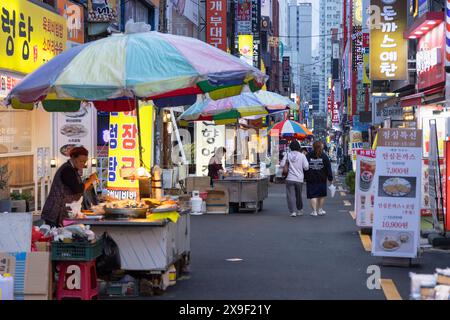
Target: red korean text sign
216,23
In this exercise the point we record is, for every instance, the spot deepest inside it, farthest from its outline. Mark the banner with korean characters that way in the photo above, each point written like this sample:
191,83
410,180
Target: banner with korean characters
207,140
396,225
388,50
75,129
216,23
29,35
365,187
123,153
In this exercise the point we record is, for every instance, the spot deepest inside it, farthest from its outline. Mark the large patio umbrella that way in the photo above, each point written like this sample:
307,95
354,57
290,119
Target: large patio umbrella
290,129
116,71
245,105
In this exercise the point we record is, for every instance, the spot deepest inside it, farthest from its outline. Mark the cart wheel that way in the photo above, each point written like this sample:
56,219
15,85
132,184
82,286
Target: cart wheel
260,206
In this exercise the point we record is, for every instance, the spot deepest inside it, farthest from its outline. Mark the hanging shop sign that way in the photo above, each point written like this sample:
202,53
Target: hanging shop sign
430,62
357,12
29,36
102,10
396,225
246,48
357,47
243,16
74,15
365,187
123,153
207,140
74,129
216,23
388,54
335,117
286,79
256,31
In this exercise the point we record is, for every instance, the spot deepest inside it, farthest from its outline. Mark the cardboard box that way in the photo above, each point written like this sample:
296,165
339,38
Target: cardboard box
217,201
197,184
32,272
42,246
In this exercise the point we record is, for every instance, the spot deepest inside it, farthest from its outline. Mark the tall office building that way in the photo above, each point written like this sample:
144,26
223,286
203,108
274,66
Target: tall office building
299,47
330,18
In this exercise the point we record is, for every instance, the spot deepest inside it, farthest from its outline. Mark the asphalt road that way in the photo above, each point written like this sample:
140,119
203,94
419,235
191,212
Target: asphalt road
286,258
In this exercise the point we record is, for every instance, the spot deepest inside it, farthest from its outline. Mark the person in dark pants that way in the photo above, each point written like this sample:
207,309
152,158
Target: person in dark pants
67,187
294,181
318,174
215,164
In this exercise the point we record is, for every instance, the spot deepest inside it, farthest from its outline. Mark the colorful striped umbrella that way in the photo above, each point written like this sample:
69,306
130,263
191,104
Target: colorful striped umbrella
290,128
229,110
116,71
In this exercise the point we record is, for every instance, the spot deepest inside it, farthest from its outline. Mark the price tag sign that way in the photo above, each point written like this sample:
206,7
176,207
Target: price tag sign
396,225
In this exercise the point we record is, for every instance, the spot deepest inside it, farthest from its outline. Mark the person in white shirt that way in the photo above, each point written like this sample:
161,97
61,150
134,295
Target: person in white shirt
295,178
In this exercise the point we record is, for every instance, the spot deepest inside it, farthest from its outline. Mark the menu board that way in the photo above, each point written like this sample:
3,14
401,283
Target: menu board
396,225
365,187
207,139
75,129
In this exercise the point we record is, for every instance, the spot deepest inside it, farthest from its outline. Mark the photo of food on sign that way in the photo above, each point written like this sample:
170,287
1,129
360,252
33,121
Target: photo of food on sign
404,187
394,241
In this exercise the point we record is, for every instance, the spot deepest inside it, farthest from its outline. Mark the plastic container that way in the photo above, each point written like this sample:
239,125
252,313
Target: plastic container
196,203
172,275
6,287
76,251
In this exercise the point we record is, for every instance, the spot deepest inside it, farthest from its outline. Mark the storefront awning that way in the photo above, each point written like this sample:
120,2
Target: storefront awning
423,97
422,25
411,100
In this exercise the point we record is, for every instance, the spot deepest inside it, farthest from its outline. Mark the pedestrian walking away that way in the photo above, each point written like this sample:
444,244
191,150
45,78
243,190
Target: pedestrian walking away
316,178
297,163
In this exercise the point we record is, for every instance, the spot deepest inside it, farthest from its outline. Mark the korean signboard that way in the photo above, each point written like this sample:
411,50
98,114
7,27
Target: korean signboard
7,83
246,48
102,10
286,72
396,225
29,36
216,23
74,129
243,16
207,140
388,53
123,153
365,187
256,28
430,62
74,15
335,116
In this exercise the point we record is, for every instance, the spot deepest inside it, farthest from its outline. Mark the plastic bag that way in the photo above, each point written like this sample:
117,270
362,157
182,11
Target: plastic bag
110,258
332,188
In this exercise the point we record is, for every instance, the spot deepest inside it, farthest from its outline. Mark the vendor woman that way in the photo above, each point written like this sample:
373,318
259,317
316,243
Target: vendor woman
67,187
215,163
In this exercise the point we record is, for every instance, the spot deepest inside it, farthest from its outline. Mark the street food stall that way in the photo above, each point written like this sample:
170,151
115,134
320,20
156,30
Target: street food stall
247,189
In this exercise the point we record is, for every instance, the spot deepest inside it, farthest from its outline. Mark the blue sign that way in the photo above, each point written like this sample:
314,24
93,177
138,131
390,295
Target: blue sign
360,126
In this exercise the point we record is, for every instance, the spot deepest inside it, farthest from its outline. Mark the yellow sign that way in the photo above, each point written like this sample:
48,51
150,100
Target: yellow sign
366,79
29,35
246,48
388,52
263,69
357,12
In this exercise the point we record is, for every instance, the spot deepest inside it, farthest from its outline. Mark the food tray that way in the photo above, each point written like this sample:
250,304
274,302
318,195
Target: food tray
126,212
76,251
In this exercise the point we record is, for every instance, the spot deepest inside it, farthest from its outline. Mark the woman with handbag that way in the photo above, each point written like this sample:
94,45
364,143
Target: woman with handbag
294,164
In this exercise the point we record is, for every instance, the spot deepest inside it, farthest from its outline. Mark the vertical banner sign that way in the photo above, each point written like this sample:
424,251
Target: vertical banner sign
123,153
243,16
29,35
216,23
396,225
365,187
286,73
207,140
434,178
256,31
75,129
388,53
335,116
447,34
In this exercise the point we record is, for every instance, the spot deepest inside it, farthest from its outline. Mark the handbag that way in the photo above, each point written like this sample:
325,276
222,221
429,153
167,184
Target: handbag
285,169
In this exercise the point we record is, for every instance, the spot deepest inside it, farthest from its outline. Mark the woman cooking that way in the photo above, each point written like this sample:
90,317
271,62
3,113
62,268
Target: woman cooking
67,187
215,164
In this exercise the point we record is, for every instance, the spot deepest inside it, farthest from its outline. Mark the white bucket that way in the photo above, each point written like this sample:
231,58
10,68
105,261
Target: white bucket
6,287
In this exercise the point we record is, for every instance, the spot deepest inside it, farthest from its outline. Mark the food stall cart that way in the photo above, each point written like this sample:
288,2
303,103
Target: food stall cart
246,188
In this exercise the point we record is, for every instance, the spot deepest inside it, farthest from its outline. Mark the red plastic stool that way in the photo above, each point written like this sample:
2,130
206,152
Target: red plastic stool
84,287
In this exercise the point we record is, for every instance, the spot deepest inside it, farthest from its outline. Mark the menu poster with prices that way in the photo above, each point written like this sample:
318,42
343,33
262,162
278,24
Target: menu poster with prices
396,225
365,187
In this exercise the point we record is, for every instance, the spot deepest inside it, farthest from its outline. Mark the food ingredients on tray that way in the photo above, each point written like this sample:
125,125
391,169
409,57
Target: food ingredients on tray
126,204
390,245
74,130
397,187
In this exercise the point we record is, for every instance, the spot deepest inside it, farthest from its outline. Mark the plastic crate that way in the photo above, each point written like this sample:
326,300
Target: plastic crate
77,251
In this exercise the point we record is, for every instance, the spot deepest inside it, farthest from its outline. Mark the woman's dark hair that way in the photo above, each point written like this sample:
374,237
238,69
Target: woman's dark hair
295,146
222,149
318,148
78,151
